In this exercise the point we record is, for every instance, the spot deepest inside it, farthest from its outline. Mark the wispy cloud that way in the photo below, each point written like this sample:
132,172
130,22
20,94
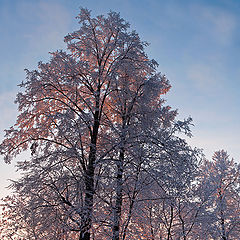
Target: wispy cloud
30,30
216,23
53,23
204,77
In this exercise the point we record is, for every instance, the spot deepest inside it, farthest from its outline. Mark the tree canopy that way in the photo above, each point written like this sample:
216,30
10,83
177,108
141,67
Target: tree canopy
107,160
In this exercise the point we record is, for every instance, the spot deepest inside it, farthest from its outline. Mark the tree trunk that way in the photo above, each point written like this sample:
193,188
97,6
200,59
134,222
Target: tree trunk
223,227
222,220
118,205
86,218
170,224
88,204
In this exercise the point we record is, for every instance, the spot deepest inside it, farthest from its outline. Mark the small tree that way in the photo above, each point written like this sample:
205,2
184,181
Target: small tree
221,189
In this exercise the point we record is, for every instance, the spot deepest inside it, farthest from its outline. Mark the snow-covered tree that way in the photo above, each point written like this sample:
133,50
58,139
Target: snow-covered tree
64,107
220,190
100,136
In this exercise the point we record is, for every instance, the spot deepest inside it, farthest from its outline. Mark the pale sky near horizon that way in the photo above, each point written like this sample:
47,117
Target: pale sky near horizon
195,42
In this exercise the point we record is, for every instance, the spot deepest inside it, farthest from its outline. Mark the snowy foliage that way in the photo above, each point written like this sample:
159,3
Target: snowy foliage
107,158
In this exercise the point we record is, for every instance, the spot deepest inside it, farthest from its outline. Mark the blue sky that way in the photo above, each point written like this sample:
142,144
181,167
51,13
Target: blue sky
196,43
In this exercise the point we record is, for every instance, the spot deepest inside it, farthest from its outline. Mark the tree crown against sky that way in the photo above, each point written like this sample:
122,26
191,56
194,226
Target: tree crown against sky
101,138
205,55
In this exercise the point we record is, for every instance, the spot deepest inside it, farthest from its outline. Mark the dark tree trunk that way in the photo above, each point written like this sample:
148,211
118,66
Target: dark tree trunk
222,219
88,205
223,226
170,224
118,204
86,218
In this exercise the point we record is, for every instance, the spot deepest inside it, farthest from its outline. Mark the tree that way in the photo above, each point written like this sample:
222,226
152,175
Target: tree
64,106
220,189
94,120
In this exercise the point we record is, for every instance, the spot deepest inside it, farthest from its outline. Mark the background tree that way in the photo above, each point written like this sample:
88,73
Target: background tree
220,191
